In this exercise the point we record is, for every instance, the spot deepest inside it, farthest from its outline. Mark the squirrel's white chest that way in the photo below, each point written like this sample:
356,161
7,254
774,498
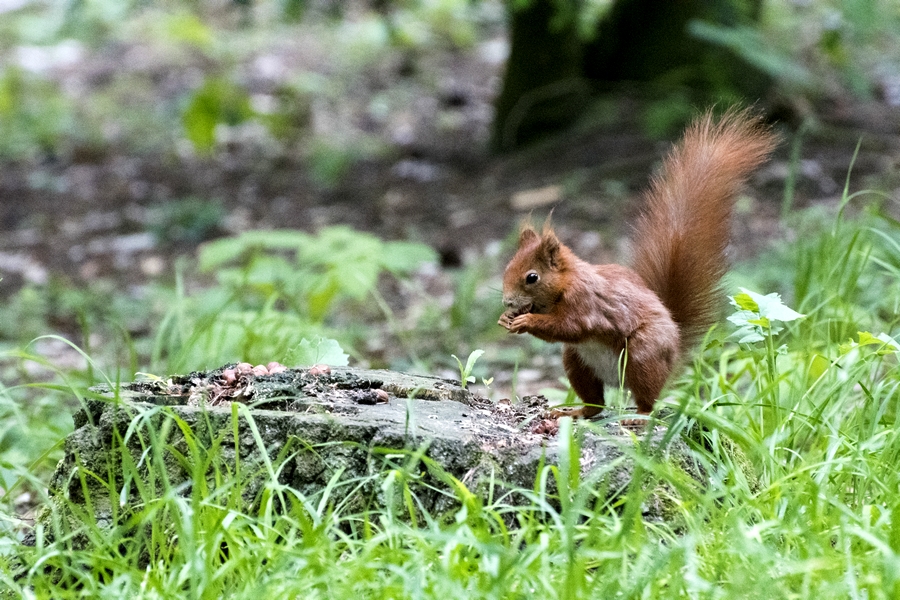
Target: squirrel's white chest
602,360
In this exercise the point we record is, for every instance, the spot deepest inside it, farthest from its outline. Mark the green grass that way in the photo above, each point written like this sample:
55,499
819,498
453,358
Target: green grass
797,435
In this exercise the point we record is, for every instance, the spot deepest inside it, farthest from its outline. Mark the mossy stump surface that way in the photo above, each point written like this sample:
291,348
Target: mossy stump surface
315,431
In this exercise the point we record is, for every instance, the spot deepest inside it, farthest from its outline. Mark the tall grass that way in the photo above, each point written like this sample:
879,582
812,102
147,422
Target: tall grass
797,440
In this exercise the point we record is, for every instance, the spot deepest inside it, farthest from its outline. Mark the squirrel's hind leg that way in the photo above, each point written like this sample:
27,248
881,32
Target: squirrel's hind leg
585,383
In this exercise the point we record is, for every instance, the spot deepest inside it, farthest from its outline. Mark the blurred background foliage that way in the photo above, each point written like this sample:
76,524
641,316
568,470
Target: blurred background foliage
207,73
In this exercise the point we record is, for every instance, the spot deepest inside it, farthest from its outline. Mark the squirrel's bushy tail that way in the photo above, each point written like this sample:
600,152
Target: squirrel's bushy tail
681,236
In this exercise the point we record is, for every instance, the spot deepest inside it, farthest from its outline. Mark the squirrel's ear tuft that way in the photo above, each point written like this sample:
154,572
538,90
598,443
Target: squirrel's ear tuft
549,248
548,226
527,235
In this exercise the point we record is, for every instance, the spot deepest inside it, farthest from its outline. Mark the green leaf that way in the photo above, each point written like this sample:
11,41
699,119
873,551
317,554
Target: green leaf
750,44
320,299
216,101
220,252
771,306
759,315
275,239
866,338
761,322
886,344
473,357
318,351
405,257
745,302
742,317
465,376
748,336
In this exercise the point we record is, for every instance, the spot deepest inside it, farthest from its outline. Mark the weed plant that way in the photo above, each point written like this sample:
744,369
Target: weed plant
797,434
276,288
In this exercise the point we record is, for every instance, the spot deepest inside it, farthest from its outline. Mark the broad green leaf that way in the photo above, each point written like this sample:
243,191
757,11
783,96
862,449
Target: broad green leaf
866,338
275,239
405,257
220,252
887,344
751,44
759,316
745,302
320,300
771,306
742,317
748,336
318,351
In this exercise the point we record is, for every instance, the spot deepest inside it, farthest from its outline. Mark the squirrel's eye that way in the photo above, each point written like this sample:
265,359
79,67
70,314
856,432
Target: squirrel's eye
531,278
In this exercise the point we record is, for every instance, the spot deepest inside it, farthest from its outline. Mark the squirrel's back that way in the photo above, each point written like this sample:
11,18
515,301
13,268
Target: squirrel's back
681,236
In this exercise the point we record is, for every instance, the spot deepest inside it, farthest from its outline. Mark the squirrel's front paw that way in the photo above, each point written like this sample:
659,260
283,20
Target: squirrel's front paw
520,324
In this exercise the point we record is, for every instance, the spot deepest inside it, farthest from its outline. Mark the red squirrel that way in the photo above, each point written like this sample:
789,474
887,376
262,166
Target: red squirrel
655,311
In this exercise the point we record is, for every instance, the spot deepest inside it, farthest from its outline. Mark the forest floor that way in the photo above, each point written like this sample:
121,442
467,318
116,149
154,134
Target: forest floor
90,217
102,212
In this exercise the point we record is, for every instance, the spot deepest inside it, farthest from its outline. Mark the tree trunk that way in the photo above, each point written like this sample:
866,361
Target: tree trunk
551,69
648,41
543,89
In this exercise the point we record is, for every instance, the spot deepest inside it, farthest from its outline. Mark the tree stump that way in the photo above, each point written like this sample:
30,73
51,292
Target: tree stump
313,428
